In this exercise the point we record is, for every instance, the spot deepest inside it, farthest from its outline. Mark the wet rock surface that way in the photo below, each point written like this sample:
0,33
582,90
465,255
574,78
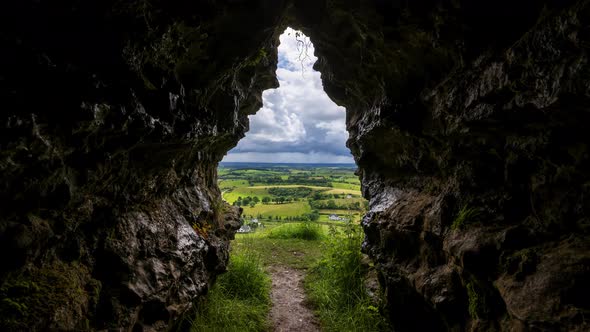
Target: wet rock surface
467,123
478,215
114,117
467,120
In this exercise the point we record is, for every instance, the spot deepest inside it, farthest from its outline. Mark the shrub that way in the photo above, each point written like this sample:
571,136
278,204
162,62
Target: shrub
290,192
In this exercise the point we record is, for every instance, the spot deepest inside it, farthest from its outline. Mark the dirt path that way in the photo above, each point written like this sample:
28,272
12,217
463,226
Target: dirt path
289,312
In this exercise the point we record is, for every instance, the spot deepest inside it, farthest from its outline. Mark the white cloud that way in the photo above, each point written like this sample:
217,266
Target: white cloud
298,120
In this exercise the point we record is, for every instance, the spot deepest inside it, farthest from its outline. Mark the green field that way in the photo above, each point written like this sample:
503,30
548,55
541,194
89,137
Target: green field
344,191
343,201
232,196
284,210
232,183
292,192
343,185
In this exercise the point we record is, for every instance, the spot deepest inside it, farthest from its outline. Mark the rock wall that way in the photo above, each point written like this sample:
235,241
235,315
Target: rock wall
114,117
467,121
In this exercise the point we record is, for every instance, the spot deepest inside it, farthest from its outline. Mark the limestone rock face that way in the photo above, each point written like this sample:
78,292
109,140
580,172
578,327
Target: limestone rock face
478,191
114,117
468,124
467,121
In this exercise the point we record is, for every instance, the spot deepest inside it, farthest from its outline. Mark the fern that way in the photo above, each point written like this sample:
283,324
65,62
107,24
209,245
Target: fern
466,215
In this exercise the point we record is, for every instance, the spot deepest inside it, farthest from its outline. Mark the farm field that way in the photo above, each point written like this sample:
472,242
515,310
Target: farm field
292,192
273,210
345,185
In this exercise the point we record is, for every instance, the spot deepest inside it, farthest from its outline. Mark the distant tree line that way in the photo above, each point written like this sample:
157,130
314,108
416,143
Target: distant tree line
292,192
293,179
332,205
318,195
247,201
252,201
312,216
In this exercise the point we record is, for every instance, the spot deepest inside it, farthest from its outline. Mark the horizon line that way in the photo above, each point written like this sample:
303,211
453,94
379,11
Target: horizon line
267,162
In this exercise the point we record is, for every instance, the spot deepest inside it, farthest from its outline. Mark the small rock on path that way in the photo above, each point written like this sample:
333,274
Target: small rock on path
288,312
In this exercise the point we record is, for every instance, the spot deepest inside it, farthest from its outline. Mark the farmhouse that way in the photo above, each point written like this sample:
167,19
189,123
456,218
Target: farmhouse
334,217
245,229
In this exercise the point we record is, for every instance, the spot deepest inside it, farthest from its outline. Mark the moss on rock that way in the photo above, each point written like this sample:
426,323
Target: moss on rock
53,295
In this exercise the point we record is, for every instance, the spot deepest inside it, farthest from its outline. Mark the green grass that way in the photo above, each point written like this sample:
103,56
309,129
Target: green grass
222,171
343,201
465,216
328,250
294,253
239,300
476,295
232,196
336,286
303,231
232,183
341,185
284,210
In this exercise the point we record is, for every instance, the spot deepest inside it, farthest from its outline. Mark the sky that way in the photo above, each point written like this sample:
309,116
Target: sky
298,122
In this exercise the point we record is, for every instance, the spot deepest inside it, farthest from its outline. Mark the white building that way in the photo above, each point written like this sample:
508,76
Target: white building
245,229
334,217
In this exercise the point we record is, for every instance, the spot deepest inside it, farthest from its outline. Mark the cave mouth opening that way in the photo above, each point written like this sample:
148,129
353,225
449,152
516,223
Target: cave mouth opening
300,134
298,139
294,180
298,122
293,164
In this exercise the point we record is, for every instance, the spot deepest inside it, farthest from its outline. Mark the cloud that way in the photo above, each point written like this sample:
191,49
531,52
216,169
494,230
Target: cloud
298,120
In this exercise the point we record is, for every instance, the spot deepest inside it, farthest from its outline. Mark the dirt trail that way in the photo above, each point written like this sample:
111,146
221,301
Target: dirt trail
289,312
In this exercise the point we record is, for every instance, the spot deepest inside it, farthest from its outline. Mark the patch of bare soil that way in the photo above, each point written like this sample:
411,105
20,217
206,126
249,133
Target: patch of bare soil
289,311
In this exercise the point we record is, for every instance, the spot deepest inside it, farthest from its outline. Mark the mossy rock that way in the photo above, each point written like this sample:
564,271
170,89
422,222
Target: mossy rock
53,295
521,263
477,301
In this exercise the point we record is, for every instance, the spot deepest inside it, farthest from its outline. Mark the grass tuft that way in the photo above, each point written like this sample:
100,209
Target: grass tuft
466,215
473,300
239,300
304,231
336,286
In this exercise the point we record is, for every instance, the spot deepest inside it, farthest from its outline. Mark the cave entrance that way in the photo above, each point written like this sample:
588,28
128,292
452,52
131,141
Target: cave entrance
293,177
293,165
298,122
